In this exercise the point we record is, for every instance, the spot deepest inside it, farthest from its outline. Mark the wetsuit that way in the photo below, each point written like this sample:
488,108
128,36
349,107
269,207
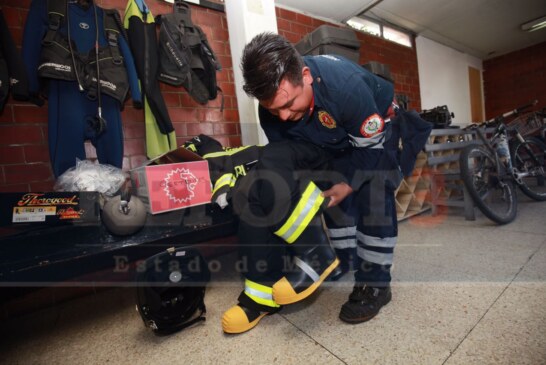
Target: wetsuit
69,109
141,30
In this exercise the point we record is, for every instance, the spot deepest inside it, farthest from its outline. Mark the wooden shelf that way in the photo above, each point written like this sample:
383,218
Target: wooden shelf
413,194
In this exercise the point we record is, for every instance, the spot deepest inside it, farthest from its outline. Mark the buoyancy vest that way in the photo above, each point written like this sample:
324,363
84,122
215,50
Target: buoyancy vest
185,56
60,60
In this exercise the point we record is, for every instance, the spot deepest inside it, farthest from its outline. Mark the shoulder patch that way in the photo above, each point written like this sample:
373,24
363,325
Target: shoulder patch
373,125
326,119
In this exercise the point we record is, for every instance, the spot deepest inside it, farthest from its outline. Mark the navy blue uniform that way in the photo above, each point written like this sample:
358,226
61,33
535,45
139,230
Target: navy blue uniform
68,107
349,117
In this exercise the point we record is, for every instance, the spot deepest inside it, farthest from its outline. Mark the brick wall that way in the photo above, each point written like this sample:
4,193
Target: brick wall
401,60
24,159
514,79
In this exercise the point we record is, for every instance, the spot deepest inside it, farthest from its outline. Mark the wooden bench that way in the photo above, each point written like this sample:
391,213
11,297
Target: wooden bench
446,186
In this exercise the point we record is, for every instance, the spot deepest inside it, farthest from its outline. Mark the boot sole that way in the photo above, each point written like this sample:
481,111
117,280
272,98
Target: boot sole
284,293
240,327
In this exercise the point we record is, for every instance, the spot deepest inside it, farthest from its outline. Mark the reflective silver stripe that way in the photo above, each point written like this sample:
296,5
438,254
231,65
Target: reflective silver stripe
375,257
257,293
376,241
345,243
307,269
341,232
373,142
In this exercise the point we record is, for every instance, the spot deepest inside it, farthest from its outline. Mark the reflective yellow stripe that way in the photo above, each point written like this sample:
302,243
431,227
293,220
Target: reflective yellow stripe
305,210
191,147
228,152
259,293
226,179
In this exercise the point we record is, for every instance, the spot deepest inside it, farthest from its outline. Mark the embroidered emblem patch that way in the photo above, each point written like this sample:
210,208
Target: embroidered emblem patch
326,120
373,125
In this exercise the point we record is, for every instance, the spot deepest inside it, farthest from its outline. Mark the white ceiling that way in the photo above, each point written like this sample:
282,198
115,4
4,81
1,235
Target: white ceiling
481,28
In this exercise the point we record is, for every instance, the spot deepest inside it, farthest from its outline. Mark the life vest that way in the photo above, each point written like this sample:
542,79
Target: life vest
60,60
185,56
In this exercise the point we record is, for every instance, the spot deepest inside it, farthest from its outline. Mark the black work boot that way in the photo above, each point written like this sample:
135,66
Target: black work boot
364,303
314,260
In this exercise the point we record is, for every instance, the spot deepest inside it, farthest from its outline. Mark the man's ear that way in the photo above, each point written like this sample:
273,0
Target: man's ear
307,77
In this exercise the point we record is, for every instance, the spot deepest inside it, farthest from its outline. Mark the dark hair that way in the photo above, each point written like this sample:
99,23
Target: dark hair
267,59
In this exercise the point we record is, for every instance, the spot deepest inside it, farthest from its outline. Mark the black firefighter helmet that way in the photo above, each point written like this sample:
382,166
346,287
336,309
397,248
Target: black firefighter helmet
171,290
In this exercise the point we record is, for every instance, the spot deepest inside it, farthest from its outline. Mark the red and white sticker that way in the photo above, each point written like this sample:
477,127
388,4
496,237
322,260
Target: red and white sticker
179,185
373,125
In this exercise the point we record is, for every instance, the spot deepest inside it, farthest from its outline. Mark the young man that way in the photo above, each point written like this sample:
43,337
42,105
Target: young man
343,110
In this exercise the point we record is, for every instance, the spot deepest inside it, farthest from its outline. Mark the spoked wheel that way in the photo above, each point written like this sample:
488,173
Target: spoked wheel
529,159
493,195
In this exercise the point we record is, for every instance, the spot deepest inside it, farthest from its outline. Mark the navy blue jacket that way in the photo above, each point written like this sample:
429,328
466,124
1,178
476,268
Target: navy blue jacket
348,117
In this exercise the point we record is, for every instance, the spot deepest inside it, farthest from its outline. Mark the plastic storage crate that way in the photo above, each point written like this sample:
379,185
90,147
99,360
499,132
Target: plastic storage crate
327,39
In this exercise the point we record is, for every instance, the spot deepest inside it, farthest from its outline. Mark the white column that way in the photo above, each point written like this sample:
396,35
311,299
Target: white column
247,18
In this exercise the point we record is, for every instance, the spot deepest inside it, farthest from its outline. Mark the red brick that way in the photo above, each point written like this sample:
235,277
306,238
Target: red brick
132,147
225,128
210,115
225,61
183,115
11,155
134,130
18,174
231,115
171,99
283,24
304,19
206,18
14,188
180,129
42,185
219,34
36,153
30,114
7,115
228,88
131,114
19,135
195,129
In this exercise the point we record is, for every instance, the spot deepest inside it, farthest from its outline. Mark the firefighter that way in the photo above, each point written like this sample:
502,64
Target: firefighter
343,109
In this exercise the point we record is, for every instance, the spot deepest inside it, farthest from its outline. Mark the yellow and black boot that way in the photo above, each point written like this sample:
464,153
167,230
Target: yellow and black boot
255,302
313,260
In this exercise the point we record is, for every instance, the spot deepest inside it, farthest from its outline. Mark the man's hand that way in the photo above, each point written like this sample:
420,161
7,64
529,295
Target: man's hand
337,193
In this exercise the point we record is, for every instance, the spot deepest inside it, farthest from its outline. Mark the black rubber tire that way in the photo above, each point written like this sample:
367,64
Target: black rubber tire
479,174
533,186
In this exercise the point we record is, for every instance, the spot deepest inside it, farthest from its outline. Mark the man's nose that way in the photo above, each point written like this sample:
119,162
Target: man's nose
284,114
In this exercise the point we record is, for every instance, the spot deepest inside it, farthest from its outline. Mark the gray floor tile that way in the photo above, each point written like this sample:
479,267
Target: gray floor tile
512,332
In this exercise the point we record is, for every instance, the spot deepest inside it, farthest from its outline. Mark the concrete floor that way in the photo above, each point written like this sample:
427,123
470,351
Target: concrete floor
464,292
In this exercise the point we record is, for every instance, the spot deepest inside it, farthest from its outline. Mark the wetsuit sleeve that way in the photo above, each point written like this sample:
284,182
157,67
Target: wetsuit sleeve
35,29
136,94
18,79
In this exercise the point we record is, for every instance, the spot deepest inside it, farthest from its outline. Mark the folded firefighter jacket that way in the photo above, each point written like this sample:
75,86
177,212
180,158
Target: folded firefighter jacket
227,165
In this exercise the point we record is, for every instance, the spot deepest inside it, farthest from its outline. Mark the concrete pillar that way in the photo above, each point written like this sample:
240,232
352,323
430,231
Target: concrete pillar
247,18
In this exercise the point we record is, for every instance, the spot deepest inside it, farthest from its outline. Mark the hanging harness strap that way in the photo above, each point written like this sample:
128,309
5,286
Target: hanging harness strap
56,11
